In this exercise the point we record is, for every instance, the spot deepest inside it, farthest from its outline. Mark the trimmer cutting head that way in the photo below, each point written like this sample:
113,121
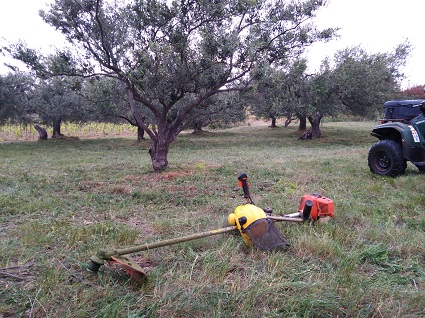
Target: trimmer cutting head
130,266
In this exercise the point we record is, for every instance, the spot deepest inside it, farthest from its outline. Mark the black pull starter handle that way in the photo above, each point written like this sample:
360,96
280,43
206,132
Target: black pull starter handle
243,182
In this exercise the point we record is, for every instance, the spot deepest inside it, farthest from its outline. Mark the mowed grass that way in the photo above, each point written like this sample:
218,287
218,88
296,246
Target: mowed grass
62,200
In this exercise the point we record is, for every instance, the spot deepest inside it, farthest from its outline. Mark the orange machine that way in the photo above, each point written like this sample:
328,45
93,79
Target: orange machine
321,207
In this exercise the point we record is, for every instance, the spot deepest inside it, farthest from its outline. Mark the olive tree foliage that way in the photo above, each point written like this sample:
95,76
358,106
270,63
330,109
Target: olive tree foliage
278,92
56,100
365,81
356,83
15,95
108,100
164,51
25,99
218,110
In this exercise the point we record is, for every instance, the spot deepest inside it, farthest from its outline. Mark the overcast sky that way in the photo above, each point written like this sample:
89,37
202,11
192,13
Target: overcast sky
375,25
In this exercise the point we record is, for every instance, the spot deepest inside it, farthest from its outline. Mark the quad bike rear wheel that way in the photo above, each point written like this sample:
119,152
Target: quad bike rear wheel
386,158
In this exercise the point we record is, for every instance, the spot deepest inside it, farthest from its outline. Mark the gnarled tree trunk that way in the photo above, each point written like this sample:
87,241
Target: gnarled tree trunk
161,139
303,123
159,153
288,121
140,134
315,126
42,133
273,125
57,128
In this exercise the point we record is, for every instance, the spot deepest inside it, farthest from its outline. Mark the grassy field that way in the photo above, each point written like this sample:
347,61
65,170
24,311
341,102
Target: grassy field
62,200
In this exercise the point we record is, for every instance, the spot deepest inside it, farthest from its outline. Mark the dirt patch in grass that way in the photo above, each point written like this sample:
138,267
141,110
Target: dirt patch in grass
159,177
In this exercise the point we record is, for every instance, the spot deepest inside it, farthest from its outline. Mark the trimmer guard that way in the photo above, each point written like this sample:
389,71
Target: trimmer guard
265,235
130,266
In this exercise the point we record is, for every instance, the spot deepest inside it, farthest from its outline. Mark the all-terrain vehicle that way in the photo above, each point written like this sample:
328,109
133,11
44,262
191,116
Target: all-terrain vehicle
401,137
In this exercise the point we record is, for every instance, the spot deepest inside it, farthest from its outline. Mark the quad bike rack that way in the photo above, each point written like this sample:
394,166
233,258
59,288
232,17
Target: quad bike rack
256,226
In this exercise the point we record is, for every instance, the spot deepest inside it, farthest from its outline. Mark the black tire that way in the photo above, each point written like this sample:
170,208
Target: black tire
386,158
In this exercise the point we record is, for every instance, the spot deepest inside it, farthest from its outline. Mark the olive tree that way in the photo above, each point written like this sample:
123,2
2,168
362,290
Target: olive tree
320,98
56,100
15,94
355,82
278,92
164,51
365,81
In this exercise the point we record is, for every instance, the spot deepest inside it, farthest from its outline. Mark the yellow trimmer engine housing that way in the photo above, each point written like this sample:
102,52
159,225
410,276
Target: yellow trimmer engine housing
244,216
255,227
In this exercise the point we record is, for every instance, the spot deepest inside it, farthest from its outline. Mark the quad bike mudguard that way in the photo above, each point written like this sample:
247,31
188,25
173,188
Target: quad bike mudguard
411,137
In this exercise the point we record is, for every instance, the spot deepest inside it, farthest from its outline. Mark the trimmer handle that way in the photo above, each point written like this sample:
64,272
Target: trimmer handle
243,182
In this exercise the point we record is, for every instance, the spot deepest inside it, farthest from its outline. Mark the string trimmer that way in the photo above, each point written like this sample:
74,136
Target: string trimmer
256,226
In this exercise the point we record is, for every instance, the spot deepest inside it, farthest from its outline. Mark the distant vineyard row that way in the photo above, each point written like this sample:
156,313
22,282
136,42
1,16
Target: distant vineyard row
84,131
